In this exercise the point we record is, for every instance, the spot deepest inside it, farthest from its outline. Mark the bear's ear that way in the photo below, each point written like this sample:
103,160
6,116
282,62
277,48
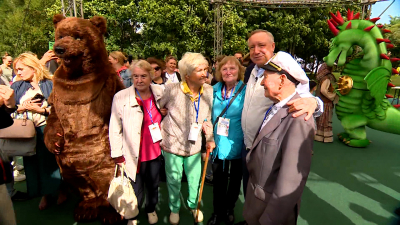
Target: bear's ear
57,18
100,23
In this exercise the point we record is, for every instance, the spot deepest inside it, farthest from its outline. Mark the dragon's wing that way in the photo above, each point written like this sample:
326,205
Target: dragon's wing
377,81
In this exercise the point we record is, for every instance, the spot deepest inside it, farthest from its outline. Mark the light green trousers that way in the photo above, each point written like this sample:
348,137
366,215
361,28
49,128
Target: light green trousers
174,166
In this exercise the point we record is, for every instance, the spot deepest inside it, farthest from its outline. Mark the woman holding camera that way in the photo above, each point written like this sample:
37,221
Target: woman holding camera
32,89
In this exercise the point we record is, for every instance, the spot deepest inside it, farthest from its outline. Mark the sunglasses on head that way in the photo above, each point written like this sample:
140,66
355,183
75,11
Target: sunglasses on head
157,68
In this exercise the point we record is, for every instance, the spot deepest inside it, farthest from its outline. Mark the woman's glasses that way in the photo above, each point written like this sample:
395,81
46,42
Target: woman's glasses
157,68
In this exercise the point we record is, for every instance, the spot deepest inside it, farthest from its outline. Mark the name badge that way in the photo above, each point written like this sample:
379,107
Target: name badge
223,127
155,132
194,131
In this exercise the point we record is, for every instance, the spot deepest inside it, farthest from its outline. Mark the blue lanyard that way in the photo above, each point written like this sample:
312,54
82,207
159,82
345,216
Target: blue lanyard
197,109
151,106
266,114
230,97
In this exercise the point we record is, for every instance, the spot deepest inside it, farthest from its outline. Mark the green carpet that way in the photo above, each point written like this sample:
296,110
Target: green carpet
346,186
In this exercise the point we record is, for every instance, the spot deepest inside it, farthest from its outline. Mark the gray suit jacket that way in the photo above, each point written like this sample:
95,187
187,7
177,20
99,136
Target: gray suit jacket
279,163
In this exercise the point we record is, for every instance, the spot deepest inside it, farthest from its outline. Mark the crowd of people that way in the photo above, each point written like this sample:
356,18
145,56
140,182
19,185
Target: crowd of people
254,120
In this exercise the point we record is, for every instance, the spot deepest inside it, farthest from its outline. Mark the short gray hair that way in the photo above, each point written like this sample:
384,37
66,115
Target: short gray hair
189,62
271,37
144,65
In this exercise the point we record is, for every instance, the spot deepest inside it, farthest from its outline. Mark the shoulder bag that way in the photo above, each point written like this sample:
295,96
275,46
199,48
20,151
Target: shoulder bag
230,102
19,139
122,196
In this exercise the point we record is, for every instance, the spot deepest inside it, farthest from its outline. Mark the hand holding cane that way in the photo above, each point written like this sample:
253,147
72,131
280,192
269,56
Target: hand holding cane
202,185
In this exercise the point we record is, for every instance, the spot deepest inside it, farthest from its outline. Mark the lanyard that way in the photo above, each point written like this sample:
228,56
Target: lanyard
266,114
230,97
197,109
151,106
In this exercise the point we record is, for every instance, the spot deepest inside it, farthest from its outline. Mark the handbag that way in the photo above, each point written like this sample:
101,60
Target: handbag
22,128
19,139
18,146
122,196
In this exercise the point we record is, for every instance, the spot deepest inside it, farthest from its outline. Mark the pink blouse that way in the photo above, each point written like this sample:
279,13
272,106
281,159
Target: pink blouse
149,150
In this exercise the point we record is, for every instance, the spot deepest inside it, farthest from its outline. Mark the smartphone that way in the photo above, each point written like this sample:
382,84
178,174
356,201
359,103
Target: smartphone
38,96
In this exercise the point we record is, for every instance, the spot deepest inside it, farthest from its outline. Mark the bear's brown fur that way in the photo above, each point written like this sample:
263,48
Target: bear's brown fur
84,86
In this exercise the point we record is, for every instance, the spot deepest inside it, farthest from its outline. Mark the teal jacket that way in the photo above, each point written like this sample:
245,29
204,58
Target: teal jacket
228,147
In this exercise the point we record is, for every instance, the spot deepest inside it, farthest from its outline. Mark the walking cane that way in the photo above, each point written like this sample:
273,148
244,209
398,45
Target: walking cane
203,177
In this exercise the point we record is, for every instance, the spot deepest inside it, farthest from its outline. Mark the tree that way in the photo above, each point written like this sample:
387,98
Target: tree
394,36
176,26
25,26
122,22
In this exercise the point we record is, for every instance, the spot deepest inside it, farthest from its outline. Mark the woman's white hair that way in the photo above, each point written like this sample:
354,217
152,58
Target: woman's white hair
189,62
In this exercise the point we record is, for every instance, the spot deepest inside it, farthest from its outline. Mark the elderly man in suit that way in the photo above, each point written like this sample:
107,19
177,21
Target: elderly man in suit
279,160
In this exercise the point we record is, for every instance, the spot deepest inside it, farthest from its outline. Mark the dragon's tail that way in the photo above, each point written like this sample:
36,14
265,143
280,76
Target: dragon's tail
391,121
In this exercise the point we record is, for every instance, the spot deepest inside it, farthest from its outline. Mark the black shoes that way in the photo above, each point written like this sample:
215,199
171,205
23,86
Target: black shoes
214,220
230,217
20,196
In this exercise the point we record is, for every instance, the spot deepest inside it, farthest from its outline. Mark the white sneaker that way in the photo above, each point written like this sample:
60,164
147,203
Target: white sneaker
132,222
18,167
174,218
200,218
18,176
153,219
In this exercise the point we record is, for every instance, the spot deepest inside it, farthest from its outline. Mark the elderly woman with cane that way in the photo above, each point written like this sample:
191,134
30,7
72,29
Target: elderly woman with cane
189,105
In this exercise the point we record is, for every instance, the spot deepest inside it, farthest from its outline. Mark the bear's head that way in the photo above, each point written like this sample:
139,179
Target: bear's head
79,42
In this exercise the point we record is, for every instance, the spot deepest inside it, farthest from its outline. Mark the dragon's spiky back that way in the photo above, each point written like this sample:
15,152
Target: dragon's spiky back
338,25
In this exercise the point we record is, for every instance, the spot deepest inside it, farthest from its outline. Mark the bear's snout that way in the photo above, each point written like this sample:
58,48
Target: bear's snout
59,50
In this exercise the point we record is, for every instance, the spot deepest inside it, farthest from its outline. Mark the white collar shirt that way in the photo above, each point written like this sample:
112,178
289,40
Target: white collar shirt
275,108
172,77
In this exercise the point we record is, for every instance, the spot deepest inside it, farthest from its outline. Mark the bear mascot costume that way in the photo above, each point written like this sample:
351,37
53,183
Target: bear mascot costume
77,127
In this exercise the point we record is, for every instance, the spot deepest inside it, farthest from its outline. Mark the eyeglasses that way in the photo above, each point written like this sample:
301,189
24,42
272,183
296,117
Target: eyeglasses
157,68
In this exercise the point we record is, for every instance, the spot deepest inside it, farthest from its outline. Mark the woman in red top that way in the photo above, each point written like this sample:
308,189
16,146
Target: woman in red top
135,135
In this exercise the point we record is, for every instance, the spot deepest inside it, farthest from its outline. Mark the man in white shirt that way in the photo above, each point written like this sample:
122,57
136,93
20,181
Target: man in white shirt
6,68
261,44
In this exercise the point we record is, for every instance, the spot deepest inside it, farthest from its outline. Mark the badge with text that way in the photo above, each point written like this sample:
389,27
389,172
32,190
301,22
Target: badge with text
223,126
194,131
155,132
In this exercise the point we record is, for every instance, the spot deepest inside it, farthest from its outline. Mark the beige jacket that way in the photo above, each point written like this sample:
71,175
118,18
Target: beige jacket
175,127
126,125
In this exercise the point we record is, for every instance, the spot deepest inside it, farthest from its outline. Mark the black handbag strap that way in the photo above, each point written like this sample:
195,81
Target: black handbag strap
229,104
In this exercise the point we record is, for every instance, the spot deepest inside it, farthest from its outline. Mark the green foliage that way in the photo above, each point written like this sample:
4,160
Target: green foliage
146,28
24,26
394,36
176,26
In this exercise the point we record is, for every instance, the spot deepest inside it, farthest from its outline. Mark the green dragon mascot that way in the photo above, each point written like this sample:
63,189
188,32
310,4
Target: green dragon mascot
362,86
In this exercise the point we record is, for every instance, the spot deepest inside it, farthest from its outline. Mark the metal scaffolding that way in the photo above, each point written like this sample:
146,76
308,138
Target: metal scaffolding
72,8
218,11
218,29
